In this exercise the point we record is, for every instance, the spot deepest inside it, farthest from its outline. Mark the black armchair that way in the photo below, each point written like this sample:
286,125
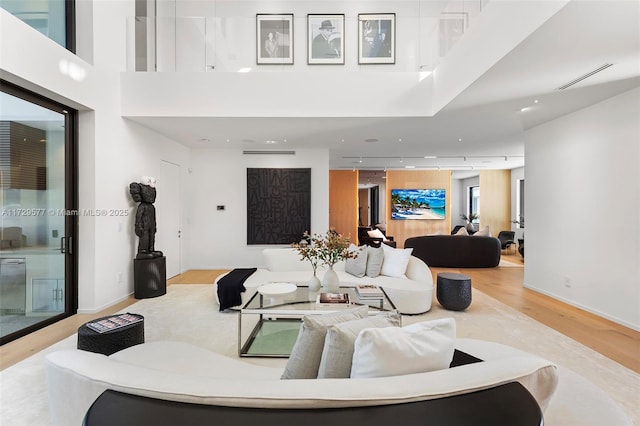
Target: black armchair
364,238
506,239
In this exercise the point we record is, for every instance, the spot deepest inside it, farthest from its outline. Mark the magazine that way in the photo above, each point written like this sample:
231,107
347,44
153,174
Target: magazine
113,323
333,298
369,291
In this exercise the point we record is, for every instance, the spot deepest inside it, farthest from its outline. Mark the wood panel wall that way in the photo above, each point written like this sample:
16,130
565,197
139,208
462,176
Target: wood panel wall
400,230
495,200
343,203
363,209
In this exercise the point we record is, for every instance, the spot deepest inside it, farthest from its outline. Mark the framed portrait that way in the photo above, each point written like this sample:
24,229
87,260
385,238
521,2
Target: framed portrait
451,27
274,39
377,38
325,39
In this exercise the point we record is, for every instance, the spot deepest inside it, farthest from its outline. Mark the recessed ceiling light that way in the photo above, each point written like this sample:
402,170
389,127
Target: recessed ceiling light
535,101
399,139
409,167
244,70
227,140
205,140
430,156
370,140
525,109
284,140
270,142
459,139
342,140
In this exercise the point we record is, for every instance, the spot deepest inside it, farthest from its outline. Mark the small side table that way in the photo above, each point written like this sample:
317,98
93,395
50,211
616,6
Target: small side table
110,342
453,291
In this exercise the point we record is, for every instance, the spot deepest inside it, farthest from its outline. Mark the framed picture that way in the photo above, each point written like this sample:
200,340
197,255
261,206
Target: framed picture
451,27
325,39
377,38
274,39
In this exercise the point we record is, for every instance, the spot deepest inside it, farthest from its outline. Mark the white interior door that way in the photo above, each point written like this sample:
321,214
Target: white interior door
168,202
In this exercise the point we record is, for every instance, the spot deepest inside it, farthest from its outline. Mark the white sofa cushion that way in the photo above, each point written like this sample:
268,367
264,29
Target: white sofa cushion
376,233
284,259
358,266
393,351
306,353
338,344
375,257
395,261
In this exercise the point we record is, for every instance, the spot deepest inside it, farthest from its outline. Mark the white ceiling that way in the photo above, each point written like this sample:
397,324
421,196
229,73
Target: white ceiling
483,127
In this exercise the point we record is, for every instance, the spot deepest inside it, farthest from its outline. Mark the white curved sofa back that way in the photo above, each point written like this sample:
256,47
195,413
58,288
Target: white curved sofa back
76,378
288,260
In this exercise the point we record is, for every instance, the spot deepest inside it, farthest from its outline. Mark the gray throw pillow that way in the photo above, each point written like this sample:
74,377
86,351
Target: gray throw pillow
375,257
337,353
307,351
357,266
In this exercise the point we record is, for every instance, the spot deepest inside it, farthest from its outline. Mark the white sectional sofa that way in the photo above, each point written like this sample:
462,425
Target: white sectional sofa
411,294
176,371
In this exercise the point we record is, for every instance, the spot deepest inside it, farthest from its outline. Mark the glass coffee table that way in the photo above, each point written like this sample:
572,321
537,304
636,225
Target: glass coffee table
268,327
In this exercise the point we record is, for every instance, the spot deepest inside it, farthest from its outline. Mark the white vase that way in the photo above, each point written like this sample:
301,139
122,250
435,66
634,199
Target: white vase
330,281
314,282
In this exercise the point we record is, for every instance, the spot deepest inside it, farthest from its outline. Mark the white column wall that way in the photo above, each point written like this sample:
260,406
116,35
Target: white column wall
582,201
516,175
219,177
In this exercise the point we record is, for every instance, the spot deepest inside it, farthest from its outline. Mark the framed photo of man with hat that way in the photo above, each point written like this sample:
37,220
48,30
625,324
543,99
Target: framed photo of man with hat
325,40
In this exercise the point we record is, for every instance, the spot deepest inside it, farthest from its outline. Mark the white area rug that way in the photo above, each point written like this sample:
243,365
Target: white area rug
593,390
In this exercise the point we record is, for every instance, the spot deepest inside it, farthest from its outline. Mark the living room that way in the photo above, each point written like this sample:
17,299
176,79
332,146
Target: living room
581,167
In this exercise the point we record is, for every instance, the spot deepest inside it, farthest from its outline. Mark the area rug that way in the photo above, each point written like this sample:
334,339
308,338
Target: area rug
593,390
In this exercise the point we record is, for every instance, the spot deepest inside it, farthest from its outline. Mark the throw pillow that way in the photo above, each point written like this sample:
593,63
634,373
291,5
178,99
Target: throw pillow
484,232
338,344
395,261
357,266
307,350
376,233
462,231
417,348
375,257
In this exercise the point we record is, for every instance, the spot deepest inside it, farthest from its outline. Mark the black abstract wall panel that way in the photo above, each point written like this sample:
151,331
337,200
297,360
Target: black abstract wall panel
278,205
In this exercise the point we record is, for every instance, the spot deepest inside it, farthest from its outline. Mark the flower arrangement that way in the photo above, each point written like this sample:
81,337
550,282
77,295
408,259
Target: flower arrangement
470,218
327,249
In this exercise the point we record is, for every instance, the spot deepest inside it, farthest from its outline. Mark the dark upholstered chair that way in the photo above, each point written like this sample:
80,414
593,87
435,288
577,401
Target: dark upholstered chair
365,239
506,239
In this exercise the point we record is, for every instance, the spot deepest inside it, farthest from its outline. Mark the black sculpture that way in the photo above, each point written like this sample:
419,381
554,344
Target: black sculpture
145,227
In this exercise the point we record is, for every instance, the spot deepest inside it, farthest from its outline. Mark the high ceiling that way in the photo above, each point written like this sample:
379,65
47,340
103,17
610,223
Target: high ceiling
483,127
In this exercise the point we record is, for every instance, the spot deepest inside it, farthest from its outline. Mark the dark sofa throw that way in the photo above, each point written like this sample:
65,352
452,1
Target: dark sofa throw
231,285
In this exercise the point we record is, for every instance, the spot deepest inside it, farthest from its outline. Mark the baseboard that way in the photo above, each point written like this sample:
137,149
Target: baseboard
622,322
105,306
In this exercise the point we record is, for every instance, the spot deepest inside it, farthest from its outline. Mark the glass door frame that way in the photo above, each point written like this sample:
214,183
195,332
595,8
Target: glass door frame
71,205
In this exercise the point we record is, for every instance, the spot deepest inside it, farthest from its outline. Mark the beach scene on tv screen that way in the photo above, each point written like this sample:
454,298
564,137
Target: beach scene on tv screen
410,204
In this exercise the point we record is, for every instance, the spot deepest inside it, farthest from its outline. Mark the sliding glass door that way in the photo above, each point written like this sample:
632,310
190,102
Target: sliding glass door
37,205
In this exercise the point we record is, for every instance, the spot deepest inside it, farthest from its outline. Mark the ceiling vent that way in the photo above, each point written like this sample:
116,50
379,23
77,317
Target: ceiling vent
267,152
582,77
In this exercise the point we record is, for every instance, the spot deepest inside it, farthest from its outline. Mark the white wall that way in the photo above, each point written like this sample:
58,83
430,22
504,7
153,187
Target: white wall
219,177
112,151
582,201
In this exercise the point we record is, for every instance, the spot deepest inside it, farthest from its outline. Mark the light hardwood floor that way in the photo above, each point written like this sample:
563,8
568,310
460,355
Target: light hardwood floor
612,340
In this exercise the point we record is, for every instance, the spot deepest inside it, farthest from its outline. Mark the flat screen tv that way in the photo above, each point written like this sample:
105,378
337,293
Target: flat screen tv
412,204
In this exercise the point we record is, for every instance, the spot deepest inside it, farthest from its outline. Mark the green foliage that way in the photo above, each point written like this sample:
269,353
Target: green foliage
327,249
